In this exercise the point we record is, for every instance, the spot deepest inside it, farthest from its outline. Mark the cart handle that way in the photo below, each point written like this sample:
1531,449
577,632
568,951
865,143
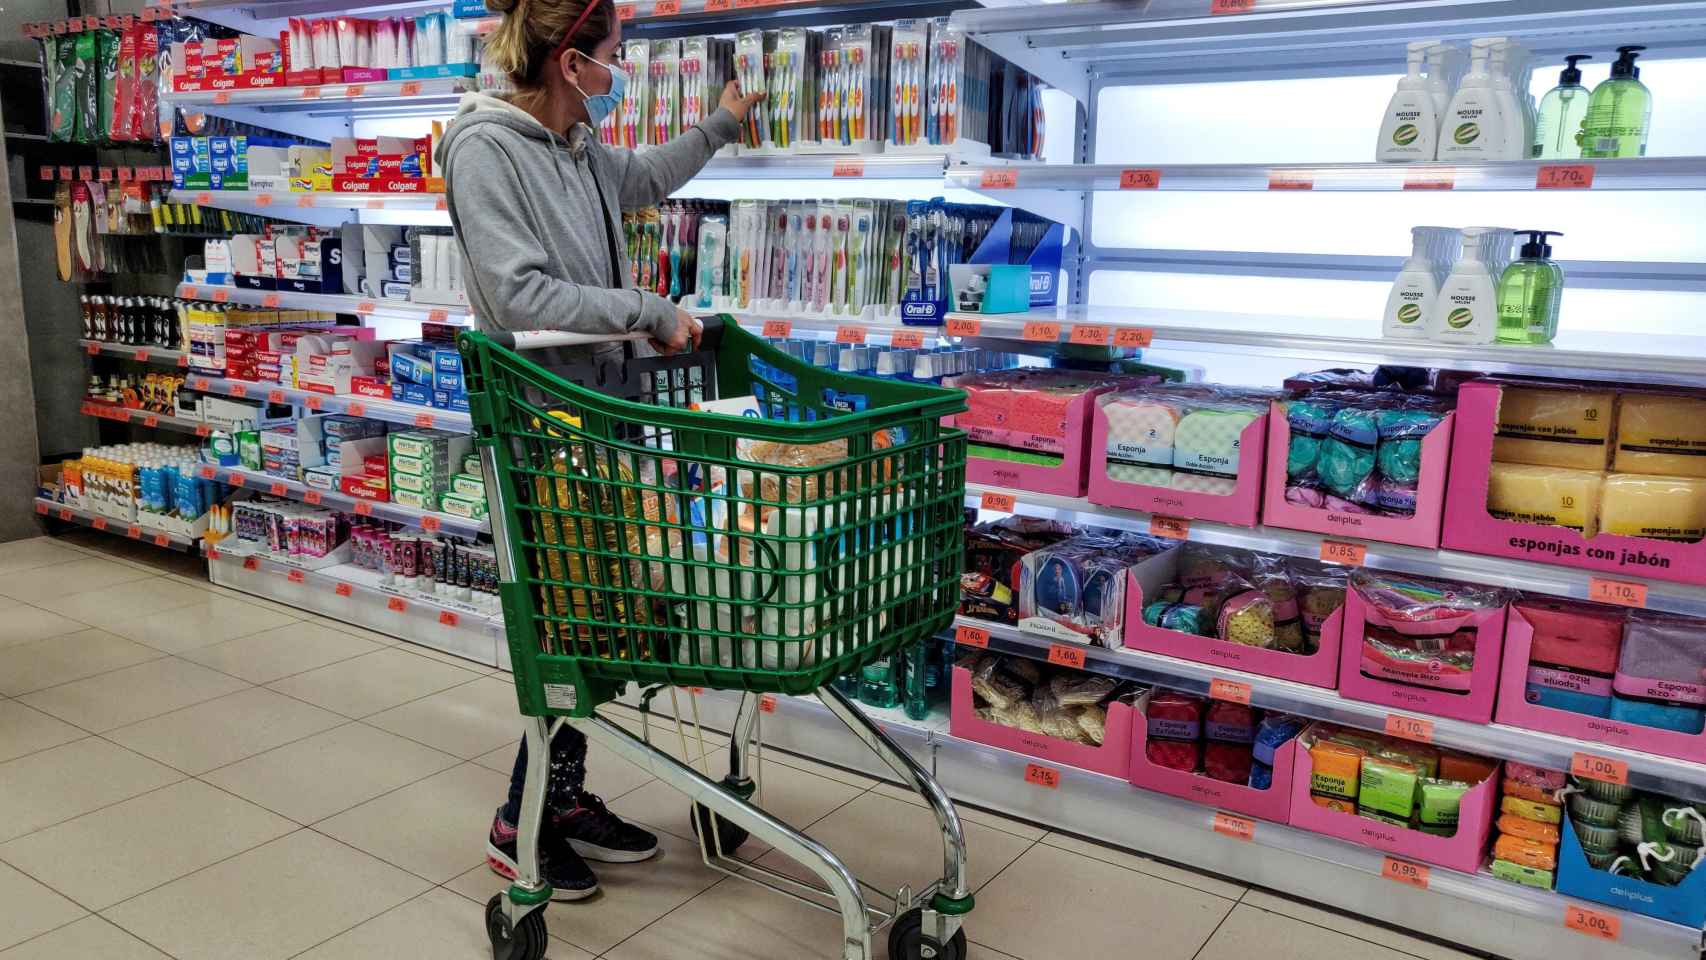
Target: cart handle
711,328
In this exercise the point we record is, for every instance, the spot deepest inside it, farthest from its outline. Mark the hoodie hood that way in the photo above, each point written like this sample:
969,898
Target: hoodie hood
478,108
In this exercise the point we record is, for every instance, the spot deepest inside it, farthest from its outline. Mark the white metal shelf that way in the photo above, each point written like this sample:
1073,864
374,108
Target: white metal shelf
428,520
281,203
145,418
329,302
119,528
141,354
1646,771
1522,575
438,92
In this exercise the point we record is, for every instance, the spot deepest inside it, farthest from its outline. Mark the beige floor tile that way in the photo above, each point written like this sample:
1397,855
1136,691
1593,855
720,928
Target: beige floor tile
203,622
968,813
125,696
664,736
31,909
90,937
221,731
374,636
822,769
890,842
329,772
26,730
270,903
143,842
435,828
421,650
437,925
199,581
56,582
468,720
35,552
797,798
1250,932
27,667
631,895
119,604
1360,929
1207,883
373,682
68,781
280,652
23,623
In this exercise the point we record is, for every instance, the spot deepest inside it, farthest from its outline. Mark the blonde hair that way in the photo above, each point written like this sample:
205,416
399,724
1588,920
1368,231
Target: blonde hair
532,29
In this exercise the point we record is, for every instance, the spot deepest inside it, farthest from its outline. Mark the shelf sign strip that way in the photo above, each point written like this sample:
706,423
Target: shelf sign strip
1403,871
1238,828
1140,179
1603,769
1564,176
1605,926
1042,776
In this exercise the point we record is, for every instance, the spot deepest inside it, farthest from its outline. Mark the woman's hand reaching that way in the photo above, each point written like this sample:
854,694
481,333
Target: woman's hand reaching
683,336
733,102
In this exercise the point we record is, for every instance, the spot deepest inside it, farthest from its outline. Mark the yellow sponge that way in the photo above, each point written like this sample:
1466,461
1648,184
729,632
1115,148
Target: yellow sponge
1662,435
1553,496
1658,508
1553,428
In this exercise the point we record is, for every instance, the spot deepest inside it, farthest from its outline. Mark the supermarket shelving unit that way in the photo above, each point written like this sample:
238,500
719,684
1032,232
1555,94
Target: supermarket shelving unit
65,513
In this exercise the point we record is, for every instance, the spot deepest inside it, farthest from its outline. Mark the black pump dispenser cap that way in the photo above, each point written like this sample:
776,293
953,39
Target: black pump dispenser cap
1625,65
1572,75
1537,247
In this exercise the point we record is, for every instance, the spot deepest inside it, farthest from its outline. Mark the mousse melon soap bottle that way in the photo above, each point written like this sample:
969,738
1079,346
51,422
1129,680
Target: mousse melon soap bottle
1416,289
1530,291
1466,310
1620,112
1473,128
1410,129
1561,113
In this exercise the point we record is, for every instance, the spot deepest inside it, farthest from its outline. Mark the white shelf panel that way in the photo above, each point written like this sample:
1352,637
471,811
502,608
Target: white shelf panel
1634,173
1450,564
169,358
281,203
163,421
350,594
118,528
331,302
428,520
442,91
905,165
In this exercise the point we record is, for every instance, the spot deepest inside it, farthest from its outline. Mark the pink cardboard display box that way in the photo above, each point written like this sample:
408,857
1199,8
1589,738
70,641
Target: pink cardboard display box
1273,803
1474,703
1045,427
1420,530
1463,851
1319,669
1515,710
1113,757
1239,507
1468,525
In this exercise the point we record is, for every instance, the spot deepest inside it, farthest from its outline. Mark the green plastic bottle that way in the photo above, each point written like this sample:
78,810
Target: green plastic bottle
879,683
1561,113
1620,112
1530,292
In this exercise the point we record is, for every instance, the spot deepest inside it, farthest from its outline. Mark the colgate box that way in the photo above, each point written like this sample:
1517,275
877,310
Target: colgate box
1273,803
1033,426
1469,526
1113,757
1465,850
1318,669
1369,674
1421,529
1227,488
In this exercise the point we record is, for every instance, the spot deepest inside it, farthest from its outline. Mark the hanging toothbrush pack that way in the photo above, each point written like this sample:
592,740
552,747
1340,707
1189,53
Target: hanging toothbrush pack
973,258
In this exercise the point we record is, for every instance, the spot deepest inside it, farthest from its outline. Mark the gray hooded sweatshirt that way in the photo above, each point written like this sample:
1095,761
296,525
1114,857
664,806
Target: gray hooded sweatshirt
539,217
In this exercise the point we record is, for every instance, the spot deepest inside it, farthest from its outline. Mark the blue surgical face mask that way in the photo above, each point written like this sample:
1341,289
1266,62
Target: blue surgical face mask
601,105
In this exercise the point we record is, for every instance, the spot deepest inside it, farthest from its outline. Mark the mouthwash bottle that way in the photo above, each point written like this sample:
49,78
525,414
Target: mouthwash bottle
879,683
1620,112
1561,113
1530,291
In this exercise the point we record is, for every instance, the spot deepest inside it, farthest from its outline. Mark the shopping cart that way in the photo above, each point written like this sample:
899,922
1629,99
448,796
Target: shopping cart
730,519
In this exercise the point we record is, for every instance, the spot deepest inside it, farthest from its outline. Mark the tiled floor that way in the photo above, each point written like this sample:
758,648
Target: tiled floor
187,773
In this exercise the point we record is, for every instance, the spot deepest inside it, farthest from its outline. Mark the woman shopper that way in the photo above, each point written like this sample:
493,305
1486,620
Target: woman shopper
536,200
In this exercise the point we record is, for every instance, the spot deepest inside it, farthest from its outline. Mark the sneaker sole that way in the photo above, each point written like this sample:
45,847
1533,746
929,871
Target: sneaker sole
505,867
611,855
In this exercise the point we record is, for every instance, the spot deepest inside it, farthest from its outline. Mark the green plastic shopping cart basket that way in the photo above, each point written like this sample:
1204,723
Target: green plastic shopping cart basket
731,519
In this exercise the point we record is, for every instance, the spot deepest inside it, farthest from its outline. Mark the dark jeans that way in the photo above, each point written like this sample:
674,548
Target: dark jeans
567,772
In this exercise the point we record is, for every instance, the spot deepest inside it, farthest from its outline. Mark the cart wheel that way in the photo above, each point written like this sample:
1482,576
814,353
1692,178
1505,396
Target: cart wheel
908,942
526,942
729,835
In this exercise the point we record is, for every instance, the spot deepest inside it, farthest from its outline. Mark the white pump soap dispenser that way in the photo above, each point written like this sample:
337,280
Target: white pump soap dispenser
1467,309
1410,129
1474,127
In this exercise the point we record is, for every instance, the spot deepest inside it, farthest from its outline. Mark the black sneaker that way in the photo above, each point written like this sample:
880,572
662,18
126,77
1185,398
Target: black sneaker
597,834
569,876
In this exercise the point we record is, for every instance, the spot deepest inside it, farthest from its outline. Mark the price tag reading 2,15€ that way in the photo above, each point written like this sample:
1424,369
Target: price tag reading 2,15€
1042,776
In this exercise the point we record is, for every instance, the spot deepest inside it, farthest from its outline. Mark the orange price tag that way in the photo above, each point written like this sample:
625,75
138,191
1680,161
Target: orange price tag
365,307
1238,828
263,199
142,356
65,513
849,334
363,508
309,93
270,300
312,496
213,553
1349,554
718,6
424,421
275,396
239,390
1091,334
431,524
375,203
971,636
343,589
1065,656
277,489
1229,690
222,96
1404,871
396,605
1603,769
92,349
907,339
998,179
356,409
666,8
1592,922
203,430
410,88
199,383
1620,592
355,90
313,401
183,360
625,11
133,531
237,479
161,540
208,473
1133,337
1564,176
41,508
1290,181
296,576
441,204
767,703
964,327
1046,331
778,328
999,502
1221,7
1042,776
250,563
1430,180
203,199
1410,728
221,295
99,523
848,168
151,421
306,200
438,315
449,618
1136,179
1172,528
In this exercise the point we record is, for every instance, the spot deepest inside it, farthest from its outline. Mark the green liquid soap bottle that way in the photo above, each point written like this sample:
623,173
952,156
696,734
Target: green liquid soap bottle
1561,113
1620,112
1530,291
